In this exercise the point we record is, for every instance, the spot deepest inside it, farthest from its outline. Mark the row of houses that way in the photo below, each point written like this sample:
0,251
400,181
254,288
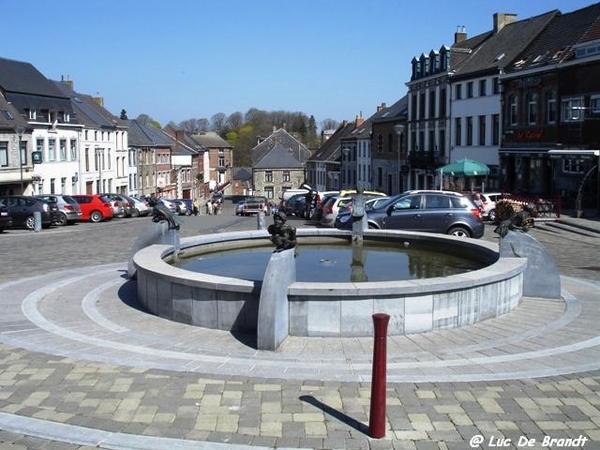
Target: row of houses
56,140
523,98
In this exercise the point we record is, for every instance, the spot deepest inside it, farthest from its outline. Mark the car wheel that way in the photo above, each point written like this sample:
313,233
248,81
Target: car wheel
96,216
62,220
30,223
459,232
492,215
135,212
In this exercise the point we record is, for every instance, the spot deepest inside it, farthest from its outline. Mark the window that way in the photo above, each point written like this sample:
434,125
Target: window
23,153
63,149
458,92
458,126
482,88
432,104
422,105
268,176
470,89
482,130
73,150
442,103
496,129
513,110
52,151
595,104
572,110
496,86
572,165
269,192
286,176
3,154
436,202
469,130
550,107
532,108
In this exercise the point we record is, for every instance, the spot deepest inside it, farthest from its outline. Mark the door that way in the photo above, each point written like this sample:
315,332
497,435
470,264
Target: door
404,214
438,213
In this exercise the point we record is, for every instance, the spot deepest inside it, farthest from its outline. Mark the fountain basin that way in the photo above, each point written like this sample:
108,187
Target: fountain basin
331,309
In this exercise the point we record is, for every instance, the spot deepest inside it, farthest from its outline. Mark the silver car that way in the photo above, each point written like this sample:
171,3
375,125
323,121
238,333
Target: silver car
69,210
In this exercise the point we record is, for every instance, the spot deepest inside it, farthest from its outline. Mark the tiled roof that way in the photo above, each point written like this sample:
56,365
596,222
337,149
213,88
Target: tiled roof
501,48
145,135
10,118
87,110
284,139
210,140
555,43
279,157
24,78
331,150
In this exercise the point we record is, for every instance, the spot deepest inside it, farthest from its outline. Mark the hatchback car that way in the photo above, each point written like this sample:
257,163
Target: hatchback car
333,205
121,206
22,208
94,207
239,208
69,211
140,207
489,204
429,211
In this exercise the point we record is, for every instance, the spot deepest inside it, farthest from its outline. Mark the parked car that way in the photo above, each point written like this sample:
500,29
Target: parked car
288,206
189,204
167,204
369,204
94,207
140,206
5,218
239,208
181,207
489,200
22,208
121,206
429,211
332,207
69,211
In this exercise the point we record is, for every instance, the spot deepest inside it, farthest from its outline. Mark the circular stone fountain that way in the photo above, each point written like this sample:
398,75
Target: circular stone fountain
331,308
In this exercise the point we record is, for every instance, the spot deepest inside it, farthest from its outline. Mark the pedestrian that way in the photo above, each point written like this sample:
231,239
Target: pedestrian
195,206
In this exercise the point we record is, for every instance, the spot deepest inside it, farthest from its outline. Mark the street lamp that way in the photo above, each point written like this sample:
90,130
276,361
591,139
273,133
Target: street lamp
20,131
399,129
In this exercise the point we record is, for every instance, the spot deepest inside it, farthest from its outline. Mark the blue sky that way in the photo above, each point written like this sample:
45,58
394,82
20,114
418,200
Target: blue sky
186,59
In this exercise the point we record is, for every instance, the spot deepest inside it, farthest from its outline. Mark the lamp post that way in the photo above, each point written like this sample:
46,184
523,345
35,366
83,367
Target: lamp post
20,131
399,129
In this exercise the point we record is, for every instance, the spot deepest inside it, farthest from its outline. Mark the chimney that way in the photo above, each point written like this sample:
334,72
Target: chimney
99,100
359,120
67,82
381,107
503,19
461,34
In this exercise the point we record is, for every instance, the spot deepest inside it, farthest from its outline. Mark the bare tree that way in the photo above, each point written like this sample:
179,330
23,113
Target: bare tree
217,123
235,120
329,124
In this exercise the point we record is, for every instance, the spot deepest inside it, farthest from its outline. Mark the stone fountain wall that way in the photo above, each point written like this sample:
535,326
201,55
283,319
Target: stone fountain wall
331,309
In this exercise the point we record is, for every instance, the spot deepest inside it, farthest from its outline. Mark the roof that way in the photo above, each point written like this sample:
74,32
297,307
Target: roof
501,48
87,110
555,43
10,118
331,148
283,138
210,139
145,135
279,157
24,78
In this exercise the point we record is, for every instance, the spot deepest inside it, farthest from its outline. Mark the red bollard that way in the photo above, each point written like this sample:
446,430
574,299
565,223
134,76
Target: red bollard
378,379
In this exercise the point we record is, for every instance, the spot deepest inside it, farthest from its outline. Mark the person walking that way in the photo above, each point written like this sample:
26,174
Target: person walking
195,206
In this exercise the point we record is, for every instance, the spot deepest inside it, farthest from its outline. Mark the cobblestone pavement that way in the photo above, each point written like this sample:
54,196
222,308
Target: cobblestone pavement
81,367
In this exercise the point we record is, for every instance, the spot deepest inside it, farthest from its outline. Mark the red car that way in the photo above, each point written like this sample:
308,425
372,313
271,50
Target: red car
94,207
